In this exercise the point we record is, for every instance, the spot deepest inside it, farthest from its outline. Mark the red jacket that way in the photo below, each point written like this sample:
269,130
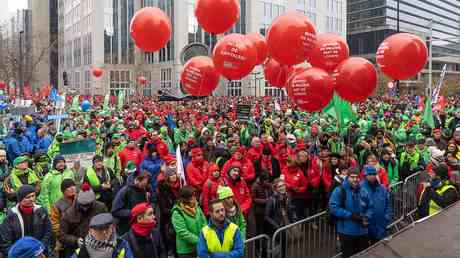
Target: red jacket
248,172
197,173
320,173
128,154
296,182
162,148
210,191
382,176
254,153
136,133
241,194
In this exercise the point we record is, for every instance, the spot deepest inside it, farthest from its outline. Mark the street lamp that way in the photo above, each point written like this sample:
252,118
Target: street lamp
21,57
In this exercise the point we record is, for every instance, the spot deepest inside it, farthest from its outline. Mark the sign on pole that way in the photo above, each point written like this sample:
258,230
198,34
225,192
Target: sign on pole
81,151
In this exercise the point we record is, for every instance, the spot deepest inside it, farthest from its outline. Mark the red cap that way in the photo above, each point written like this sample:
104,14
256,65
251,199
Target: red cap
139,209
169,159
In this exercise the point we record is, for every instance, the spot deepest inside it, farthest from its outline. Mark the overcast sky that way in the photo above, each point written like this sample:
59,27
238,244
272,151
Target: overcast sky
17,4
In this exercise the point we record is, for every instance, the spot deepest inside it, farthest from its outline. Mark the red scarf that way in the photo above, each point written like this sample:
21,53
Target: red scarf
143,229
26,210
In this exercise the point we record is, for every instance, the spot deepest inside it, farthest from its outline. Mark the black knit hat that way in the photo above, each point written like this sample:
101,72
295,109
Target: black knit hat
66,183
57,159
23,191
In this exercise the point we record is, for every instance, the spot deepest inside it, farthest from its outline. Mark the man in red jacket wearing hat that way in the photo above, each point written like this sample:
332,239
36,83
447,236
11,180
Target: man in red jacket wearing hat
247,168
197,170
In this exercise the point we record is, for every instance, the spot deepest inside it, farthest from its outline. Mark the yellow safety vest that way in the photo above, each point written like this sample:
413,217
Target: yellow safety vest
434,208
213,242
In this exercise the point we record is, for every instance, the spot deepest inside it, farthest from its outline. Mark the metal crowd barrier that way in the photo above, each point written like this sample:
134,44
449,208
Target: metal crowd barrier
315,237
257,247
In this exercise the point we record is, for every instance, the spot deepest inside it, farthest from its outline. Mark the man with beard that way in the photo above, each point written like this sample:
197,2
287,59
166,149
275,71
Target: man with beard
51,184
26,219
100,179
220,238
136,191
232,209
102,240
197,170
75,221
69,191
143,237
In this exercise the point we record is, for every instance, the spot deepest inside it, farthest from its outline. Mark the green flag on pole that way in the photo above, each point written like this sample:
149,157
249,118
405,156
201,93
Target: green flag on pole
105,108
121,100
428,113
340,110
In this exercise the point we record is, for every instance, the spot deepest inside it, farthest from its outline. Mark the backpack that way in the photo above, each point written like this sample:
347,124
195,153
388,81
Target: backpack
330,218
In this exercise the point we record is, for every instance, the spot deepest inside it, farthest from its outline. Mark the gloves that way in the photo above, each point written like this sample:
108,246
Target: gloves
80,242
356,217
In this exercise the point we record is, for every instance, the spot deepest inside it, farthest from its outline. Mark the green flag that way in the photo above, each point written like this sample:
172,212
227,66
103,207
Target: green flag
76,103
428,113
105,108
121,100
341,111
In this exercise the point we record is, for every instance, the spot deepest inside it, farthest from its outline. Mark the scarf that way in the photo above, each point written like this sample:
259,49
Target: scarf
27,210
189,209
143,229
100,249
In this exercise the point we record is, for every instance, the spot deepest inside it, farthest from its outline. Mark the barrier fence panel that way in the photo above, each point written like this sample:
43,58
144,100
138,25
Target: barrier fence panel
312,237
411,194
397,204
257,247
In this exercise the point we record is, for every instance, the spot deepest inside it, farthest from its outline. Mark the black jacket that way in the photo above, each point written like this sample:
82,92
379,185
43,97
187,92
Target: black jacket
449,197
274,212
128,197
146,247
12,229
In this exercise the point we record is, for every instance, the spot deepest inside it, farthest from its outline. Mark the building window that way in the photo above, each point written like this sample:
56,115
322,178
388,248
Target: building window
76,80
234,88
166,78
120,81
87,80
167,53
273,91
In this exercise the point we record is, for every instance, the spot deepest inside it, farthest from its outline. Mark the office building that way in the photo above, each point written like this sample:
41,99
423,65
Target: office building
95,33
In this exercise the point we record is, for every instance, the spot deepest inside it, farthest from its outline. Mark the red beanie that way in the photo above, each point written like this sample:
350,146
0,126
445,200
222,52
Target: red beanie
139,209
196,152
169,159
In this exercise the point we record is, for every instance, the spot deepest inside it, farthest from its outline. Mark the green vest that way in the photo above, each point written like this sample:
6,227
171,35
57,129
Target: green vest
94,180
213,242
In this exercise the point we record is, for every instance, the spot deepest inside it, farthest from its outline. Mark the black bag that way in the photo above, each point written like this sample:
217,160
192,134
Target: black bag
331,219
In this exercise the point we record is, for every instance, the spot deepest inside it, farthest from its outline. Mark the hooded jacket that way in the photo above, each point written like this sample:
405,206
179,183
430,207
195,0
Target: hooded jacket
248,172
197,173
187,229
240,190
357,201
320,174
296,182
50,191
12,229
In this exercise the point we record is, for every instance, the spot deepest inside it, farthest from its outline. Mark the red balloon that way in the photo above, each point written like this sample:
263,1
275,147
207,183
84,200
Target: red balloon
402,56
261,45
355,79
293,71
150,29
199,77
142,80
217,16
2,85
330,50
275,73
312,89
97,72
291,38
234,56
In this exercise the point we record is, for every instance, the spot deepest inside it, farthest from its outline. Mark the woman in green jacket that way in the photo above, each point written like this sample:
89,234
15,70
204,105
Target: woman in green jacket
188,220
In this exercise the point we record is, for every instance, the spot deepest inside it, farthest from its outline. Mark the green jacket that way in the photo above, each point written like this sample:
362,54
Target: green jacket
113,163
180,136
50,191
239,220
54,149
187,229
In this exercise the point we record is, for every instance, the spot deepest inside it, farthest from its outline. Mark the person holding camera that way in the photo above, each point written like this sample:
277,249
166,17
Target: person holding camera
352,207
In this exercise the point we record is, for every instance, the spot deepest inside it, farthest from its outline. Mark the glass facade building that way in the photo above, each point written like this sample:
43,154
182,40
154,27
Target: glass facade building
371,21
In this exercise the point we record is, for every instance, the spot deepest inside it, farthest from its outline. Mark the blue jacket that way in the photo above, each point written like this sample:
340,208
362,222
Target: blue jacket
31,133
152,165
238,245
13,149
382,212
25,145
357,201
43,143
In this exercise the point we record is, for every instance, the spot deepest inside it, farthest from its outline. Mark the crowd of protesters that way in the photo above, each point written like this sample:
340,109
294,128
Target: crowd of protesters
240,178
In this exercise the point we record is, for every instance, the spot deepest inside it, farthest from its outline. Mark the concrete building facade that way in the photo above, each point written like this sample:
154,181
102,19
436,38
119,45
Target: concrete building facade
95,33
